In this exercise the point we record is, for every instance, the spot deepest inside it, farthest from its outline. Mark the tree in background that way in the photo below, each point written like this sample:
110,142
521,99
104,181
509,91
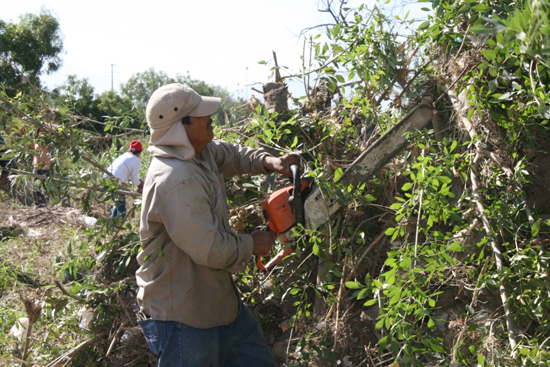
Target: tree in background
141,85
28,49
128,108
96,110
78,93
112,104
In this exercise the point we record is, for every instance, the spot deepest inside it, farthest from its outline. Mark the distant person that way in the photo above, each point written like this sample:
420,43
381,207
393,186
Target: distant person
41,162
4,163
126,167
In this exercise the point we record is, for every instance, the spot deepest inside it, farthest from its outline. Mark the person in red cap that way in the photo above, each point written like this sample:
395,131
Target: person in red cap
126,167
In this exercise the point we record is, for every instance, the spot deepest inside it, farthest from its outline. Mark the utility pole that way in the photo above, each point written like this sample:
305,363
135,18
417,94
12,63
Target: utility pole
112,76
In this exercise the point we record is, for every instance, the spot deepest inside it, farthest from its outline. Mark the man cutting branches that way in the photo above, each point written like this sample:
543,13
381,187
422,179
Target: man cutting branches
192,313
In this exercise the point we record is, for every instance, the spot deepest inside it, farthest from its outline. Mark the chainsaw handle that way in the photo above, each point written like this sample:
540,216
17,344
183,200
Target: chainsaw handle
280,255
275,259
259,258
296,200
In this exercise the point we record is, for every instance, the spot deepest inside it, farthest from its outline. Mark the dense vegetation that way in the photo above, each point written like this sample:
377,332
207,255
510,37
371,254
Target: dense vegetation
441,259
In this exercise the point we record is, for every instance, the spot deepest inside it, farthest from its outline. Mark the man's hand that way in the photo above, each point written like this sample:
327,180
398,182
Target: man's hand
263,242
281,164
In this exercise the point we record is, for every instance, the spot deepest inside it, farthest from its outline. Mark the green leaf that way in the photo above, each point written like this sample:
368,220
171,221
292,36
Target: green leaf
364,293
390,277
370,302
436,347
395,206
407,186
481,360
395,298
489,54
338,173
329,355
424,25
506,96
493,85
295,142
455,246
407,262
464,9
383,342
535,228
353,285
374,80
369,197
453,146
431,323
390,231
483,30
482,8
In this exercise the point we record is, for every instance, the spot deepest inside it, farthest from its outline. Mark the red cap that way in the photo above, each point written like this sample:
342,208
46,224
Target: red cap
135,146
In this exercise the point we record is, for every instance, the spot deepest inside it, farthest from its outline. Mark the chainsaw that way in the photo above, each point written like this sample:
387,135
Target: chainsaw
308,206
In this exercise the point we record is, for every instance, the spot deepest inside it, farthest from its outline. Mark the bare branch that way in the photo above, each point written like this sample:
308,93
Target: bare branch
72,184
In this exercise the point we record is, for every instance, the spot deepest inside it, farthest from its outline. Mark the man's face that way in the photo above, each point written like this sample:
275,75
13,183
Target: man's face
200,132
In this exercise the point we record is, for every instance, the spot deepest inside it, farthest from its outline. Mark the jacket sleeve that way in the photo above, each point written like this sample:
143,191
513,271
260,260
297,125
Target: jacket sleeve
193,227
235,160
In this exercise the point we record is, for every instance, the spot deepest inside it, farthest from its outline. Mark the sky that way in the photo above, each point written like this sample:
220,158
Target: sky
218,41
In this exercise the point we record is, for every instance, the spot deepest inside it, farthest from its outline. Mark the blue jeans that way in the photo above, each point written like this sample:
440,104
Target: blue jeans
119,210
238,344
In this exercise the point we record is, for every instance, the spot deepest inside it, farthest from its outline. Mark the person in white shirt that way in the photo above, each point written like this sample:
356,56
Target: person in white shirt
125,168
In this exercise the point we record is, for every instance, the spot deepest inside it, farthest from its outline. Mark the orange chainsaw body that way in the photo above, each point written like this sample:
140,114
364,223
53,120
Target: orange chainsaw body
277,210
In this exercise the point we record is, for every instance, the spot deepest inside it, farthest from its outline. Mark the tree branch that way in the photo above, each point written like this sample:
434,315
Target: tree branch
497,253
67,357
72,184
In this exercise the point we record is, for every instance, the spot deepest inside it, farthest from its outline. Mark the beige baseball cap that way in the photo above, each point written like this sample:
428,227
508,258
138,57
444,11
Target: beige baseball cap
173,102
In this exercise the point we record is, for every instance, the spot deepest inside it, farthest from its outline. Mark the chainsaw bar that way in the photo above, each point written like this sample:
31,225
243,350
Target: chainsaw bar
318,208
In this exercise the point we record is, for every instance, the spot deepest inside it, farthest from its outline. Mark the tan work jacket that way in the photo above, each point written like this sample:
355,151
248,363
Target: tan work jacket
189,250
